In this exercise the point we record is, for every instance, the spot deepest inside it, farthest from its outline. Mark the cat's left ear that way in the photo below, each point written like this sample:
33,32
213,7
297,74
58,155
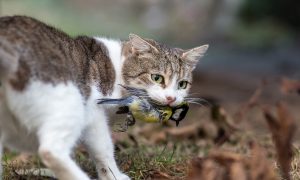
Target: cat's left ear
192,56
140,45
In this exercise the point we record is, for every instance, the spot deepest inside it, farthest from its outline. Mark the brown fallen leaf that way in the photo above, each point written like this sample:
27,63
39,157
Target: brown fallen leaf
220,165
189,131
184,131
224,123
288,86
158,175
258,165
237,171
225,158
283,129
204,168
252,102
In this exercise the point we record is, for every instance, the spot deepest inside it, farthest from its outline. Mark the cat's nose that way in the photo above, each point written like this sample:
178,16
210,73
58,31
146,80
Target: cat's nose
170,99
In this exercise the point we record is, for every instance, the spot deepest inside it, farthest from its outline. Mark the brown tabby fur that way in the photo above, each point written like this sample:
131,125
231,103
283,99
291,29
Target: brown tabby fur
166,61
47,54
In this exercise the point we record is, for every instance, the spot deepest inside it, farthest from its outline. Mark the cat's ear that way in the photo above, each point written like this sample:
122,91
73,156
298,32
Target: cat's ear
140,45
192,56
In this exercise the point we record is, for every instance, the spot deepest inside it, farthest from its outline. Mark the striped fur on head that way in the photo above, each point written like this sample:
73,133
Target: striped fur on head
145,58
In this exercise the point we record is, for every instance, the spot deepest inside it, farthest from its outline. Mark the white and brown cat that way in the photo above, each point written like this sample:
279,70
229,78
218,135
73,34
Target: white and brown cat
50,83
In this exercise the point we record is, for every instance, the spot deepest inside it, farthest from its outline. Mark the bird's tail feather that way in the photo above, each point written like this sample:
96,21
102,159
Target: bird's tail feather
121,101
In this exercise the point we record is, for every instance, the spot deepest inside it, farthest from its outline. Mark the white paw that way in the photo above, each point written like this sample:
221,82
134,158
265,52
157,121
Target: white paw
122,177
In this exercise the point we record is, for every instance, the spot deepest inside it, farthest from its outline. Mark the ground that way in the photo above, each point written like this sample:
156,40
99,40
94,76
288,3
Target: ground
233,133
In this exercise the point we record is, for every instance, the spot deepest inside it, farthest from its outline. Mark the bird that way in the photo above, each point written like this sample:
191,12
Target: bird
138,106
140,109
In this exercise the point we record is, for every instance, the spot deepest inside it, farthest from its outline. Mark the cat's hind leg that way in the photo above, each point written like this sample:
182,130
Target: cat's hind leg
57,137
60,162
56,115
98,141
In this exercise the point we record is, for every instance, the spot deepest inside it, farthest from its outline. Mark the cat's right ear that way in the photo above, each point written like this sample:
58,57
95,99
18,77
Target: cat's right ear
192,56
140,45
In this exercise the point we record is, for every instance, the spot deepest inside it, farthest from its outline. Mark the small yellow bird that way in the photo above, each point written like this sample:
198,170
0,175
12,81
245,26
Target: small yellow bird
138,107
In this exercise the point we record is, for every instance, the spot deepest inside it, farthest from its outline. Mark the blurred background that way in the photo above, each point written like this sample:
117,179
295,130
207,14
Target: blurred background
252,42
249,39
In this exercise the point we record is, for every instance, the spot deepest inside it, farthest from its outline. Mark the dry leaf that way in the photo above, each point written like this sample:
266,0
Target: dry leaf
258,165
220,165
204,168
288,86
282,129
159,175
224,122
253,101
184,131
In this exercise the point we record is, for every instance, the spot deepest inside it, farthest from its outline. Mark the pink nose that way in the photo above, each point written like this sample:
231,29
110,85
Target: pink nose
170,99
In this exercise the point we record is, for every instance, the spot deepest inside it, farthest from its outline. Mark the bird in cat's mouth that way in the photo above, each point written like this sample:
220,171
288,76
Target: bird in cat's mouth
139,106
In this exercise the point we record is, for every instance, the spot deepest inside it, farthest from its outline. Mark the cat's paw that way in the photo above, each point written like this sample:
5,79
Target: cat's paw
119,176
123,177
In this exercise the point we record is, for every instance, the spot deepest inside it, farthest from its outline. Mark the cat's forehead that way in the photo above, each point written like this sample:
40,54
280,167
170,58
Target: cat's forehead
166,51
172,65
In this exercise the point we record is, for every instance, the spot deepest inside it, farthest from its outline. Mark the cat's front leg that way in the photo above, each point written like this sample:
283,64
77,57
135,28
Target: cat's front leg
97,139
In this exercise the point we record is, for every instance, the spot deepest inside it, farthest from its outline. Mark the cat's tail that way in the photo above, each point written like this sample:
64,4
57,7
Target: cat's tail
8,58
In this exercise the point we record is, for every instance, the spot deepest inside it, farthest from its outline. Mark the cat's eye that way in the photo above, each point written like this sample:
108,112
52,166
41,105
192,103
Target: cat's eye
157,78
182,84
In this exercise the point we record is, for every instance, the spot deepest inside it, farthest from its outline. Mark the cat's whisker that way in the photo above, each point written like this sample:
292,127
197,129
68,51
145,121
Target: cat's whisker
192,94
193,102
201,104
198,101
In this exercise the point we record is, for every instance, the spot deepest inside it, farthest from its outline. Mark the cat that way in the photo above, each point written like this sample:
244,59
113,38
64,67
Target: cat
50,83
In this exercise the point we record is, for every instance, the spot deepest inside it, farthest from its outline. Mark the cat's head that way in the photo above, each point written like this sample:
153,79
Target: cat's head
165,73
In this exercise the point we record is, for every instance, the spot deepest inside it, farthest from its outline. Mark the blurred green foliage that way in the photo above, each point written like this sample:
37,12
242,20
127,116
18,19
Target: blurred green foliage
285,12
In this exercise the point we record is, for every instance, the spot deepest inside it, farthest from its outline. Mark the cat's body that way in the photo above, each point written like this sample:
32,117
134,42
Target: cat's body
50,83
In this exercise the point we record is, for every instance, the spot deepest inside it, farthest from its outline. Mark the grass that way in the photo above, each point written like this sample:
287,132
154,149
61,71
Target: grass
138,162
141,157
295,166
161,161
146,162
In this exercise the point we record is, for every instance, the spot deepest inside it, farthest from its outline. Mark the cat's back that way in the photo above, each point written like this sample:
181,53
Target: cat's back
29,36
24,28
41,51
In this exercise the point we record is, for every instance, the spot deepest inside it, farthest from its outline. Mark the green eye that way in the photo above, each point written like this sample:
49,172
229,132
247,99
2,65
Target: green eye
182,84
157,78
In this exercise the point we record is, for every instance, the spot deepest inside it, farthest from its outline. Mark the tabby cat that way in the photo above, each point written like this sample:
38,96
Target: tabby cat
50,83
